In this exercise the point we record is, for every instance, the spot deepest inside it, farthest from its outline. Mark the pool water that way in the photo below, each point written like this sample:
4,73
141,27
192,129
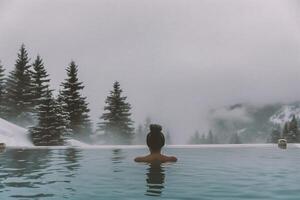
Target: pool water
265,172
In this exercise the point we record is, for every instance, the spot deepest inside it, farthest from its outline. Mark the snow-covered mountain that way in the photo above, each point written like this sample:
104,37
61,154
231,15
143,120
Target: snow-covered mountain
252,123
285,113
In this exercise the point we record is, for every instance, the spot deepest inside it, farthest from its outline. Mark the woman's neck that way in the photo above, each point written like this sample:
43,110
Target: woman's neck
155,152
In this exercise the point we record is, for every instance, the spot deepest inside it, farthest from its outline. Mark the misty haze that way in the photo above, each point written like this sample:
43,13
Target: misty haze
209,80
175,62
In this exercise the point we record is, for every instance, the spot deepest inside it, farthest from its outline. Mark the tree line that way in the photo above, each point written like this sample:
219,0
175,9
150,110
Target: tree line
26,99
290,132
211,138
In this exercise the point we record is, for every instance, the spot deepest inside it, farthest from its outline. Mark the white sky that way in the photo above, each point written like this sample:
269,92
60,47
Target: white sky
175,59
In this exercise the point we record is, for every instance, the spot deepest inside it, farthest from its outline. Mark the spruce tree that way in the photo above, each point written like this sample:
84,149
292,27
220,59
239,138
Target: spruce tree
195,139
116,122
285,130
168,138
235,139
19,96
203,139
50,129
275,136
142,131
2,92
74,103
293,132
147,123
140,136
40,80
210,138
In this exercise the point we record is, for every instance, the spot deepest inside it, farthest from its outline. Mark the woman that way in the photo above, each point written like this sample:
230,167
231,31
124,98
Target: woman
155,142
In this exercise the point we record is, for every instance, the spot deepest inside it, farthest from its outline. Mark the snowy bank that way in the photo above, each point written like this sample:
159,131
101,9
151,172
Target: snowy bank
16,136
13,135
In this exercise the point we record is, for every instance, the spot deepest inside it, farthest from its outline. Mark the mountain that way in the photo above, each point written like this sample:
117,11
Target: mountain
252,123
285,113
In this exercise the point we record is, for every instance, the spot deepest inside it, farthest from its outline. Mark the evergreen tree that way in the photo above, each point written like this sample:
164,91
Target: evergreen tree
203,139
275,136
195,139
40,80
210,138
293,132
168,137
235,139
117,124
285,130
51,129
19,96
142,131
140,136
2,92
74,103
147,123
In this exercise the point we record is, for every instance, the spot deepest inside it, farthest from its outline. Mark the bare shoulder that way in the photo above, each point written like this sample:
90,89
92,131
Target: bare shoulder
170,159
142,159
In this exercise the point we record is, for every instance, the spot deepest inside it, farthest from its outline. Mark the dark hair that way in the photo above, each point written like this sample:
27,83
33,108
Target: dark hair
155,139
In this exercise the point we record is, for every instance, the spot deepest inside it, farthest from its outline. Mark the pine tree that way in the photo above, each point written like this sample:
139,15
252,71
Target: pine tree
40,80
117,124
140,137
285,130
275,136
203,139
210,139
74,103
64,116
19,96
51,129
168,138
293,131
147,123
235,139
2,92
195,139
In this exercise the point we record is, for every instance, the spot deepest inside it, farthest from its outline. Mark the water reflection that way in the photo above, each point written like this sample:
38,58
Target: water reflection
36,171
155,179
23,163
72,156
22,169
117,158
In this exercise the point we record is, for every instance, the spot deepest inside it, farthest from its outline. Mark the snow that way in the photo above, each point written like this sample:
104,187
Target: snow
285,114
77,143
13,135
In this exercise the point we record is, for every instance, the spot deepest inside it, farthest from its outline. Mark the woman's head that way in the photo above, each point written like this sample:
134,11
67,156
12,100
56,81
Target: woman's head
155,139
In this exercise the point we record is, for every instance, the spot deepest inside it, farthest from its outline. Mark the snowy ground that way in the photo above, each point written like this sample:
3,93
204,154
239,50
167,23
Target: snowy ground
13,135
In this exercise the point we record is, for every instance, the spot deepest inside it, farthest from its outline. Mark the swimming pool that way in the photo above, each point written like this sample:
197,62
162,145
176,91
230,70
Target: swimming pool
224,172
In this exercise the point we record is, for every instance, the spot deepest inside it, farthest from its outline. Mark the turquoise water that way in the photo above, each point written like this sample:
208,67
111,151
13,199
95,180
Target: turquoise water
201,173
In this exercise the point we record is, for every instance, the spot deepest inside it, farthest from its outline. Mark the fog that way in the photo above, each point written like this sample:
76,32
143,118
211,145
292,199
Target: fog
175,59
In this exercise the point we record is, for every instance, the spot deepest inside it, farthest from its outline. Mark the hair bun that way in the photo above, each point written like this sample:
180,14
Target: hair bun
155,139
155,128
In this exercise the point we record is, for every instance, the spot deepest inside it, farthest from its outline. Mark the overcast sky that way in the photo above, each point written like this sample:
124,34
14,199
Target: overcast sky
174,59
